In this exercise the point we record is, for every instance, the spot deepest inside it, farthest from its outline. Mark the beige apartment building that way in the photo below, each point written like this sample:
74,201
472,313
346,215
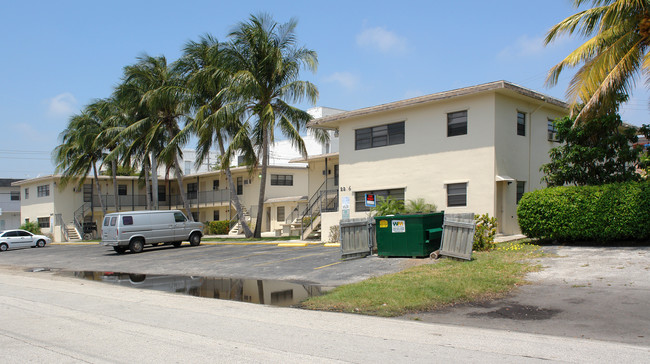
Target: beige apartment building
63,212
475,149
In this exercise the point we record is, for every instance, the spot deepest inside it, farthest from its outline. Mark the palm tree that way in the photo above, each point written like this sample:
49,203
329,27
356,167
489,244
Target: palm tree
611,59
266,65
160,92
78,152
202,65
104,110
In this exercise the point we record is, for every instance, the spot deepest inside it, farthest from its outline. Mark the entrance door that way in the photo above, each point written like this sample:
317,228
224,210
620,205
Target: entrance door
501,186
268,219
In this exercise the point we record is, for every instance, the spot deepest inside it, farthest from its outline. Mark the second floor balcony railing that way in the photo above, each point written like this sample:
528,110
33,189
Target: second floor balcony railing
164,201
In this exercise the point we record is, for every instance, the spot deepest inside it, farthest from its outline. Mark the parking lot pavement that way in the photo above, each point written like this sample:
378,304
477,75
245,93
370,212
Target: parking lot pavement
313,263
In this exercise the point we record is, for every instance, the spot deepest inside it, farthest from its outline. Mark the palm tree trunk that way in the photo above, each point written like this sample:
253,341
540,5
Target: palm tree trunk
233,192
114,173
154,181
179,179
145,165
260,203
99,189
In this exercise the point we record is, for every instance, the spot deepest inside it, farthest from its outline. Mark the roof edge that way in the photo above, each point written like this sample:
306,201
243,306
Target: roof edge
465,91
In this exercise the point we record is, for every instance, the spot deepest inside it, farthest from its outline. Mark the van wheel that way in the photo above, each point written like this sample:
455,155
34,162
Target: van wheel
195,239
119,249
40,243
136,245
176,244
3,247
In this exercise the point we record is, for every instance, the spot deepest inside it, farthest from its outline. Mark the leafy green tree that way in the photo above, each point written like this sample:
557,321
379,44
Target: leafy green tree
594,152
611,59
159,92
202,66
78,152
266,64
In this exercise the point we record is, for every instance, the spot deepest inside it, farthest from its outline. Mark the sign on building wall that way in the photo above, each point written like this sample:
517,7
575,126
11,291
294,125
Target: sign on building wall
345,207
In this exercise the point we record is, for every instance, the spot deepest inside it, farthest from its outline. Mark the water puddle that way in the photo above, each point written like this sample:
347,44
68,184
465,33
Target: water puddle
262,291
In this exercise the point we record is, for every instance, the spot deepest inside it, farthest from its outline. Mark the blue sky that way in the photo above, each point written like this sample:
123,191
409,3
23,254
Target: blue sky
57,56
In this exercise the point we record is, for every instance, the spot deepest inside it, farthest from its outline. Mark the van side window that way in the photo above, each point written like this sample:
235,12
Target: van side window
179,217
113,220
127,220
106,221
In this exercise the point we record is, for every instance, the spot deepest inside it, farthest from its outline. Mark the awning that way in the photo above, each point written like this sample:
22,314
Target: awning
286,199
505,179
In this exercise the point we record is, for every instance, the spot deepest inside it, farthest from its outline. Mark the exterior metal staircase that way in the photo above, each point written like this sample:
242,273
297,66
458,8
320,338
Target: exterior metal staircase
325,199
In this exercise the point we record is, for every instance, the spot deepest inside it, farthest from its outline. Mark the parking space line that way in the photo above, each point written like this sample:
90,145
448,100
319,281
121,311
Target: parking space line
329,265
294,258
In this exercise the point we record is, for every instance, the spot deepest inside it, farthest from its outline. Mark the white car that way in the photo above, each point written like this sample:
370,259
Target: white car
17,238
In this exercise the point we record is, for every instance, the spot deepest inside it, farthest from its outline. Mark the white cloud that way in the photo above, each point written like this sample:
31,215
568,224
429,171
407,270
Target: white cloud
61,105
524,46
348,80
381,39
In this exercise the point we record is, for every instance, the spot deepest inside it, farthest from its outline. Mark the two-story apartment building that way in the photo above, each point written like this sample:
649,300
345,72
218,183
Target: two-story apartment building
62,211
9,204
475,149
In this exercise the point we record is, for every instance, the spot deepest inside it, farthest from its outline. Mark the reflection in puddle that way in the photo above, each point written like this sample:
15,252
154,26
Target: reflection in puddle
269,292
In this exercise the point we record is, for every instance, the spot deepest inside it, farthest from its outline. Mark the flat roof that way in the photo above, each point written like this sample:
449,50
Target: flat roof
314,158
465,91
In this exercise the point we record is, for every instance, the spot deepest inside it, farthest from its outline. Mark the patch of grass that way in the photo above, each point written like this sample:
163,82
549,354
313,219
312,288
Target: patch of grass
431,286
275,238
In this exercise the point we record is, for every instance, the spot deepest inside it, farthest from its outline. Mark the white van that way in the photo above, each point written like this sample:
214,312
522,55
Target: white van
134,229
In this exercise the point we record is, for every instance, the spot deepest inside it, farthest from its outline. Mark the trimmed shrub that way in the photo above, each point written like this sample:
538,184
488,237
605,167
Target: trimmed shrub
617,211
218,227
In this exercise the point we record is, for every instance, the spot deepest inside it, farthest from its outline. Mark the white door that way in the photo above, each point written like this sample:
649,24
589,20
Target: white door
25,239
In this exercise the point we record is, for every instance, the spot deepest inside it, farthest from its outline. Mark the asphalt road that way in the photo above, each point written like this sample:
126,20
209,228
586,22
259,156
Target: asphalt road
313,264
46,318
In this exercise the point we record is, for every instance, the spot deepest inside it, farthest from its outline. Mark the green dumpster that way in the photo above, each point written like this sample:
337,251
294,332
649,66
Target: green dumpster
408,235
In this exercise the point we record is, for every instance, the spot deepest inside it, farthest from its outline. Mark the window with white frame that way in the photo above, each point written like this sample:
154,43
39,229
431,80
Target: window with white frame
215,184
15,195
192,190
521,189
552,131
379,136
44,222
279,213
521,123
43,191
457,123
360,197
215,215
281,180
26,193
457,194
121,190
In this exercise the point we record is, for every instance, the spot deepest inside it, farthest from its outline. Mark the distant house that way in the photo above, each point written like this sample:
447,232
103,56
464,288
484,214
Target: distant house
475,149
9,204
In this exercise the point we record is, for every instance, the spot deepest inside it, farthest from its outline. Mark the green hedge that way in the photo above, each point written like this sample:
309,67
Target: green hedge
218,227
619,211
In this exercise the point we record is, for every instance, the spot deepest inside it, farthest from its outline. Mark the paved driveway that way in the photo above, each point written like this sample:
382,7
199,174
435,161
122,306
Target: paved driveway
583,292
313,263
